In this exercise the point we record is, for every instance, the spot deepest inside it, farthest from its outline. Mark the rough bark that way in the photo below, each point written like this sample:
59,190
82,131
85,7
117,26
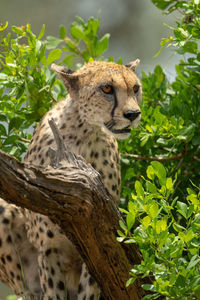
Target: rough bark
71,194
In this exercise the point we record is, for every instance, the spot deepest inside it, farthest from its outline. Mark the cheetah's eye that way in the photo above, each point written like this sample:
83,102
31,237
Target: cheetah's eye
107,89
136,88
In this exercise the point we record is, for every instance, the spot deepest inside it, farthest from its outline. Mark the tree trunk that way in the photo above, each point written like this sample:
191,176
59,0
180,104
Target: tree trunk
71,194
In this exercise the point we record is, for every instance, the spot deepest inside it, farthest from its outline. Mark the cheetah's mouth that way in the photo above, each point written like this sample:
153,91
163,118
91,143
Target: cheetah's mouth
124,130
119,131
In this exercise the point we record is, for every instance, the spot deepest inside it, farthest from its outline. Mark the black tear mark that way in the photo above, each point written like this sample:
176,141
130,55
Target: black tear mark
115,103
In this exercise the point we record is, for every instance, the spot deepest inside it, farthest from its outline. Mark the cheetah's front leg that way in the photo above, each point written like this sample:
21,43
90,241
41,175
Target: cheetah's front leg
52,279
88,288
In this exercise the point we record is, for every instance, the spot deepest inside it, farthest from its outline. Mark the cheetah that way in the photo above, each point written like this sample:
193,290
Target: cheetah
102,105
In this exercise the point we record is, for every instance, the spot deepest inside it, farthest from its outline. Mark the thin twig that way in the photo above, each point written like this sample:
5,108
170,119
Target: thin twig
23,139
151,158
196,158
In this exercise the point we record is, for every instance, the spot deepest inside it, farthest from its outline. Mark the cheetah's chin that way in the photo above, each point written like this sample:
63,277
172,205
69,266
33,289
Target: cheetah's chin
125,130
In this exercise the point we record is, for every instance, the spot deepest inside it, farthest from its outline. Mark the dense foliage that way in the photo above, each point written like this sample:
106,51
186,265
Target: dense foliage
160,202
163,216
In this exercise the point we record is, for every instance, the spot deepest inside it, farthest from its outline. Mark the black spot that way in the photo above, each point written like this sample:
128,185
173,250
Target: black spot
92,297
52,271
103,152
91,154
42,161
41,229
85,274
80,288
78,142
18,266
114,187
50,282
63,126
34,148
48,251
12,274
50,234
58,263
110,176
112,145
93,165
0,242
9,258
50,142
19,236
61,285
96,155
37,236
58,297
91,281
5,221
85,131
9,239
13,214
80,125
3,260
105,162
18,277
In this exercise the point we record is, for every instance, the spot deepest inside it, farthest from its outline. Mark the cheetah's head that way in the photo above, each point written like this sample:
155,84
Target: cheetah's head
108,95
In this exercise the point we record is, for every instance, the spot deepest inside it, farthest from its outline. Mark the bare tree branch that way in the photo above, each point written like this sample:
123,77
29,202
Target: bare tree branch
71,194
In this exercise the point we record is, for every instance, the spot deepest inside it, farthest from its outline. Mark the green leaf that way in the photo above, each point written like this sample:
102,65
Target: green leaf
130,220
77,33
52,42
41,32
69,60
193,262
3,27
102,45
11,140
3,130
139,189
153,210
169,183
150,172
160,171
182,208
62,32
53,55
122,225
130,281
11,297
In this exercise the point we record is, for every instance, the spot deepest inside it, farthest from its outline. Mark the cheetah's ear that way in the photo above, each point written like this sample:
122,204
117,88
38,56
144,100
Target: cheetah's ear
133,64
69,79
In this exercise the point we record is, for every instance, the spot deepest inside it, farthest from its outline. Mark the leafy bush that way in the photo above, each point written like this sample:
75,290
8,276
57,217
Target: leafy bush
163,215
167,232
170,128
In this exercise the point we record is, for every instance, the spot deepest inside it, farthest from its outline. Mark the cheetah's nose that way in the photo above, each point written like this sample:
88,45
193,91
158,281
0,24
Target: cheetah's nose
132,114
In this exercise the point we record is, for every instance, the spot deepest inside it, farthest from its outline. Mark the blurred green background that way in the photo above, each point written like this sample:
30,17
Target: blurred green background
136,28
